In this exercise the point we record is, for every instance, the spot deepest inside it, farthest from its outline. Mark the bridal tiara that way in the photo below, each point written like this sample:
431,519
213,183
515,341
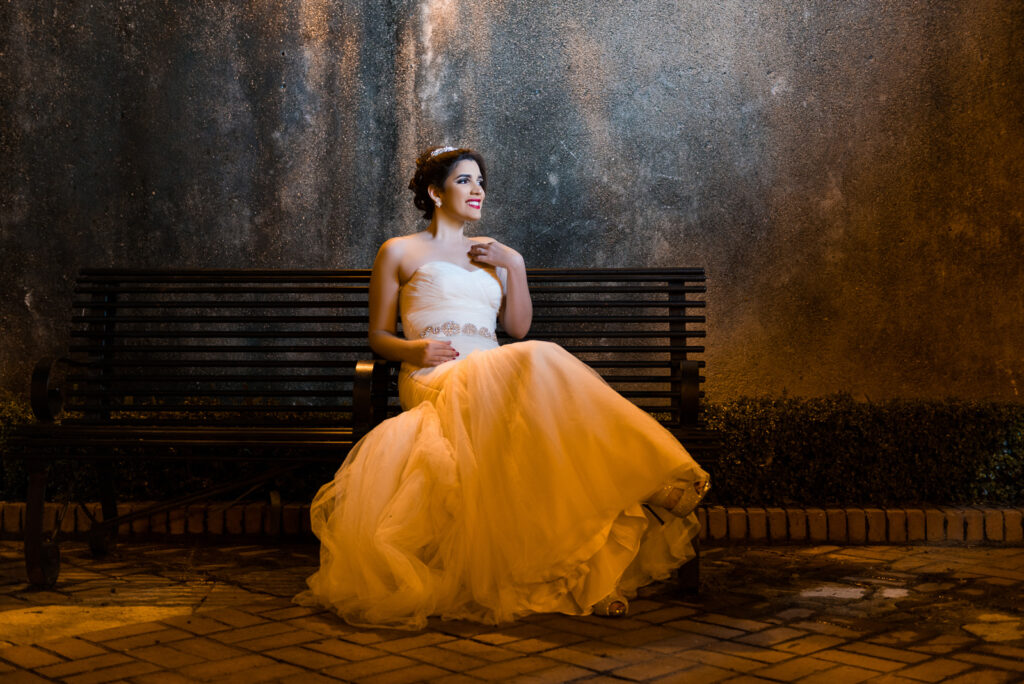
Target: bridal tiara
442,150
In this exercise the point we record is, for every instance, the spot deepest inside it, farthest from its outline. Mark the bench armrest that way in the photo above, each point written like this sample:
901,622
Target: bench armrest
46,397
369,394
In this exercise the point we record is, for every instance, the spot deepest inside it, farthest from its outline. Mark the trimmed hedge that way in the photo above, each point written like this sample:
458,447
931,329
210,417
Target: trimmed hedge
837,451
819,451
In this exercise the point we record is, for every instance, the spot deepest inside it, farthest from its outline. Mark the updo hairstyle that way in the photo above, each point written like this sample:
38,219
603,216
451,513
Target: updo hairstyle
433,168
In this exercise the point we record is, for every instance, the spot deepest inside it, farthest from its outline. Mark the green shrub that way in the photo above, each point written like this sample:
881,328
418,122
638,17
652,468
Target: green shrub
837,451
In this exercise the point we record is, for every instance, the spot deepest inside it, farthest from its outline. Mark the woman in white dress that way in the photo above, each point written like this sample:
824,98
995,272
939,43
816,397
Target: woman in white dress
513,481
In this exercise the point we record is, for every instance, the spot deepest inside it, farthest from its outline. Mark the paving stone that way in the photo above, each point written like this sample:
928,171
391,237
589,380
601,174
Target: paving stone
1013,519
844,674
305,657
982,677
896,522
808,644
993,524
254,514
935,670
229,666
73,667
195,520
487,652
160,636
1015,664
683,641
196,624
13,513
974,525
510,668
876,525
915,525
590,661
162,678
416,673
365,668
407,643
642,636
657,667
722,660
664,614
901,655
765,655
113,674
835,521
233,617
757,524
706,629
444,658
259,631
698,674
817,525
935,525
124,631
166,656
858,660
28,657
796,520
207,649
737,522
552,675
314,678
794,669
770,637
71,648
857,526
777,530
291,637
741,624
718,523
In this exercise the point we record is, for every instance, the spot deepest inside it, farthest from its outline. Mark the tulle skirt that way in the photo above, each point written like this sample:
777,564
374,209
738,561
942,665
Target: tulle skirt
512,485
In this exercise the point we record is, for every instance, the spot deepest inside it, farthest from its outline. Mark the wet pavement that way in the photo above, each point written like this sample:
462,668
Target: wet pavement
175,613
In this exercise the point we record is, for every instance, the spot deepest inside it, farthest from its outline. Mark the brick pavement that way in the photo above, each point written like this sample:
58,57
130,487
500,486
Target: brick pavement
886,614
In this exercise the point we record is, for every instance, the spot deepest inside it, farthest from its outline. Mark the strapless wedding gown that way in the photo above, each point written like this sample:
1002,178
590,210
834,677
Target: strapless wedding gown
511,483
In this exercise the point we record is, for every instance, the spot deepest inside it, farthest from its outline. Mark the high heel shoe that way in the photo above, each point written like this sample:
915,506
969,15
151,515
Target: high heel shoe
613,605
680,497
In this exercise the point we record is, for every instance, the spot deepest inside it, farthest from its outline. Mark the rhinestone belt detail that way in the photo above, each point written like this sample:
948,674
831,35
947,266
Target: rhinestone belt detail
452,328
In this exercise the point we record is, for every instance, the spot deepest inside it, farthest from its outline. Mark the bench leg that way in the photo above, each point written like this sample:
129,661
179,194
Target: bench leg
103,538
688,575
42,555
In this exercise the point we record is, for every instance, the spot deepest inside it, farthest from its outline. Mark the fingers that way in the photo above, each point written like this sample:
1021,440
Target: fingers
484,252
438,352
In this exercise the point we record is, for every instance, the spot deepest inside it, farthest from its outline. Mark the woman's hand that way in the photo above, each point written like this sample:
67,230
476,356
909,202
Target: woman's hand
429,352
494,253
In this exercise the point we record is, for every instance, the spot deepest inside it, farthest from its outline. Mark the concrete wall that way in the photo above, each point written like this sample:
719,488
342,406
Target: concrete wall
849,173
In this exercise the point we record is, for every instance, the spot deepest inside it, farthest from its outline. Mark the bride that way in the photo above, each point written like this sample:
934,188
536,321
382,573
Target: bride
516,480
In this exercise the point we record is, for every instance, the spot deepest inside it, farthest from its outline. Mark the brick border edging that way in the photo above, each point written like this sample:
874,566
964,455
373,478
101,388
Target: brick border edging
868,525
719,524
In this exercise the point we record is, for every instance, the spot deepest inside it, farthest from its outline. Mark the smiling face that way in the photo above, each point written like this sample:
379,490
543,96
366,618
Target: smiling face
463,194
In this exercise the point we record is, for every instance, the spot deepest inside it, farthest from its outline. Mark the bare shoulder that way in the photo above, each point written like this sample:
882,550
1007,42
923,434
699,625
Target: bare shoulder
481,238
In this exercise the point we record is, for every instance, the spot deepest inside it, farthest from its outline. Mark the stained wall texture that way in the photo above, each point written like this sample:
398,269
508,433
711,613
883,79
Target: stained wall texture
850,174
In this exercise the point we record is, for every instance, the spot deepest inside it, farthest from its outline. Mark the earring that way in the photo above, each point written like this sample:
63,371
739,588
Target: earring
437,203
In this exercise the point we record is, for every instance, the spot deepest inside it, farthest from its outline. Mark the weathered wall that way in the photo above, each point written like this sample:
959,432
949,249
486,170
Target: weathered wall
849,173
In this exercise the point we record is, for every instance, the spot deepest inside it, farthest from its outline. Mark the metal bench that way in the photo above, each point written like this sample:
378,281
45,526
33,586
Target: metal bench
273,366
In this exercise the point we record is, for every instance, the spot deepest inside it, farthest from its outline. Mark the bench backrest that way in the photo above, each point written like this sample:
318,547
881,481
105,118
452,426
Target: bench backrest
263,347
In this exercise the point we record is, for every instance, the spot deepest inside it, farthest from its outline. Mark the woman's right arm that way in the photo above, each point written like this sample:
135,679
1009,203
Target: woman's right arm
383,335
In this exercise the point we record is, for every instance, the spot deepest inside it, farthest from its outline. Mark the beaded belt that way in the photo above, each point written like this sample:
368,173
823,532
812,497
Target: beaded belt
451,328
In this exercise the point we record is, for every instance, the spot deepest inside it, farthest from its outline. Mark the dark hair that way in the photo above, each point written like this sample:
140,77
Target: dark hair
433,168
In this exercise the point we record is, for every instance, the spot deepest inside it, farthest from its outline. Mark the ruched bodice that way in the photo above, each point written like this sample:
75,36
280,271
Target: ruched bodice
445,301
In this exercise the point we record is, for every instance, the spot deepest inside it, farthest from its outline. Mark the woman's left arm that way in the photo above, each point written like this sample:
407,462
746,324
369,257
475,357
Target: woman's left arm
517,311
